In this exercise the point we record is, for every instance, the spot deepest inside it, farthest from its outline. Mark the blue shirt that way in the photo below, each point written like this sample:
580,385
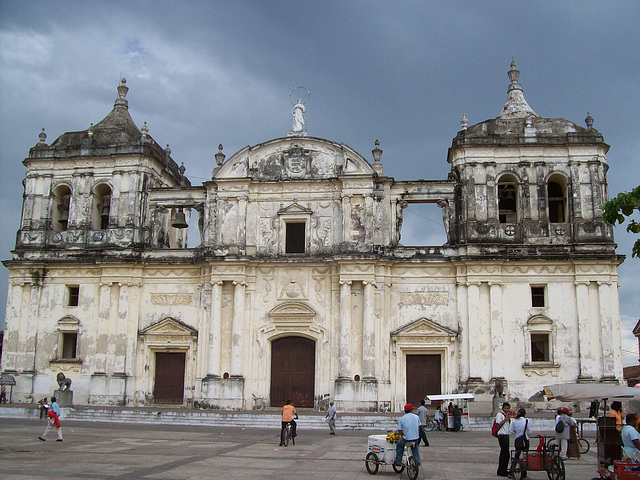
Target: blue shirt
55,408
332,412
629,434
409,424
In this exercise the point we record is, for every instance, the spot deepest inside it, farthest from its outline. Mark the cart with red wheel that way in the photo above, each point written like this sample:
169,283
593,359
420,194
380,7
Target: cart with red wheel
543,458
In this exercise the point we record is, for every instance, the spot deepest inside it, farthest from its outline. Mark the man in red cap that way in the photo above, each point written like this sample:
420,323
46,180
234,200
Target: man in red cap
563,433
409,426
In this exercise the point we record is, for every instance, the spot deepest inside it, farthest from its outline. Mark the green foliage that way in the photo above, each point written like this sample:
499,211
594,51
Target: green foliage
625,205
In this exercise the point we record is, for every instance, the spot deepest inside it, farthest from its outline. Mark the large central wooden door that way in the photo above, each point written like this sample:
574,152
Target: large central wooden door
423,377
169,384
293,371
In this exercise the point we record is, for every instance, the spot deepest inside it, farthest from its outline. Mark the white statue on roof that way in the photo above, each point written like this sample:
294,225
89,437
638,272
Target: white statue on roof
299,123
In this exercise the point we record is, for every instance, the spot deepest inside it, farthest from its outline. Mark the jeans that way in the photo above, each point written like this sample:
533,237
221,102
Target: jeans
457,422
332,425
400,450
423,435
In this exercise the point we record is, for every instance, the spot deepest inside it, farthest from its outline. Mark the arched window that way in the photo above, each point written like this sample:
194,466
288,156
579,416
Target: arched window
101,207
557,199
508,199
61,205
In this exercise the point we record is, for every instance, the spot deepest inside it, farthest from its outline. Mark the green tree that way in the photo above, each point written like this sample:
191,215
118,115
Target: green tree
625,205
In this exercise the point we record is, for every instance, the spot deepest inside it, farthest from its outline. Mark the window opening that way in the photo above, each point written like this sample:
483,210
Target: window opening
69,345
60,214
539,347
74,295
557,202
507,200
295,237
537,297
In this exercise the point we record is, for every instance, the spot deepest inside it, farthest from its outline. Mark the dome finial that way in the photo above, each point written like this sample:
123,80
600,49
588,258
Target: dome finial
122,92
589,121
42,136
516,106
464,123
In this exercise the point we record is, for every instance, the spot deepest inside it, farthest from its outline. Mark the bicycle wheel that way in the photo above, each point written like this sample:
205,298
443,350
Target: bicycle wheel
287,436
430,425
517,470
553,441
397,469
371,462
584,445
412,468
557,469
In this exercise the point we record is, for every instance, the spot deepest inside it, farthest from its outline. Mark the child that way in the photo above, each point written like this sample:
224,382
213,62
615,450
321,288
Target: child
53,421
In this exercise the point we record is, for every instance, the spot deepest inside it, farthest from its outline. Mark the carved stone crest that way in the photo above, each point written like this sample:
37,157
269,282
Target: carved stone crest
296,162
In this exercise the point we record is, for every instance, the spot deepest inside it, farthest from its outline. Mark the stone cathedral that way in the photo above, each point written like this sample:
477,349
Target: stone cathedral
301,288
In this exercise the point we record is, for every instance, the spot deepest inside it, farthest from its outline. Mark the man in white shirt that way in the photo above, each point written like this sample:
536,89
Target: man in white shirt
503,419
331,416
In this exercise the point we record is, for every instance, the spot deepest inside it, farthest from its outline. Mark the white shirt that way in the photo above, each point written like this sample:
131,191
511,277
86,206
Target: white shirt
504,429
518,427
629,434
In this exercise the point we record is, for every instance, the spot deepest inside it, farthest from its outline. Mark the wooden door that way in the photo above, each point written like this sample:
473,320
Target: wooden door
293,363
423,377
169,384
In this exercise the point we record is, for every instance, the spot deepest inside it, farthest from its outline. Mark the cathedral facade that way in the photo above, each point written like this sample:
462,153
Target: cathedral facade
301,288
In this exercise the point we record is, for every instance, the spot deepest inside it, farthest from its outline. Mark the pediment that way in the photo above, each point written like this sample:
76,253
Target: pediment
294,158
169,326
423,327
295,209
292,308
539,320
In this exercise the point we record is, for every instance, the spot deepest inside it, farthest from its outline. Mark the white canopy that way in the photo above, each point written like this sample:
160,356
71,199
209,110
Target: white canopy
452,396
589,391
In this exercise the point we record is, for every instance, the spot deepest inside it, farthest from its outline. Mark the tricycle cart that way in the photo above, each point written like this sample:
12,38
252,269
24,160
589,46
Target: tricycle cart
544,458
610,463
381,451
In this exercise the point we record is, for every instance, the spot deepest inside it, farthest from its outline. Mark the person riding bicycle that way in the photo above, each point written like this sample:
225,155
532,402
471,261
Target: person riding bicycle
288,414
409,426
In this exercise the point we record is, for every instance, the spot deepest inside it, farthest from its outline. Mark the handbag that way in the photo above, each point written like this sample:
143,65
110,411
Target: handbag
522,443
494,428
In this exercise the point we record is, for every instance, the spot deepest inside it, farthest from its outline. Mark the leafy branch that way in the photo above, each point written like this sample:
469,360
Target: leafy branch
621,207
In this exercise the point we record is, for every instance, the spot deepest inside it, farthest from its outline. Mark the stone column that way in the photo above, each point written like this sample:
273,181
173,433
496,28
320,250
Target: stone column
114,212
104,305
475,331
497,329
344,343
346,218
368,332
463,318
604,296
236,329
120,350
585,353
214,329
204,314
241,234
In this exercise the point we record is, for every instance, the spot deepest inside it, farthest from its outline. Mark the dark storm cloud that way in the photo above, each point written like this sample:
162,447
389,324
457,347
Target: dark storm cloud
204,73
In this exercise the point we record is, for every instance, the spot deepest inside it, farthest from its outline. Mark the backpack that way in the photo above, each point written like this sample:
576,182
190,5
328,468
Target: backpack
494,428
560,426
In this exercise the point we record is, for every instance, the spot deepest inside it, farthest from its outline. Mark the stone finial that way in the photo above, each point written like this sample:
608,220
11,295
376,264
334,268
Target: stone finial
144,129
182,169
167,151
589,121
122,92
219,156
90,131
516,106
42,136
377,152
464,123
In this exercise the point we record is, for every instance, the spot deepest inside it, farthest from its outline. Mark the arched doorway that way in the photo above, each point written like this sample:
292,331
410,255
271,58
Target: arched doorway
293,363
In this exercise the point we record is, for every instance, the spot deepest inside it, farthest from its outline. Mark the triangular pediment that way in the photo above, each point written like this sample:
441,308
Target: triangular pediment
423,327
169,326
295,209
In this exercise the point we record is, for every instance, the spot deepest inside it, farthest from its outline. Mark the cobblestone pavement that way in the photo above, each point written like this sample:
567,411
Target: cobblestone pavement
99,451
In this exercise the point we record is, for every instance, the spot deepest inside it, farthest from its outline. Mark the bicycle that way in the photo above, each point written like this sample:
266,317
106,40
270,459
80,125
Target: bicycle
583,443
437,425
288,435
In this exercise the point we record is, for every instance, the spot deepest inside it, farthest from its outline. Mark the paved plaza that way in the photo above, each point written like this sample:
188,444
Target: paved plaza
127,451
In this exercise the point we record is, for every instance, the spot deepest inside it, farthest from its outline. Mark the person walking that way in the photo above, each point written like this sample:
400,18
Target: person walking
331,418
53,421
522,430
503,419
423,415
409,426
3,394
616,412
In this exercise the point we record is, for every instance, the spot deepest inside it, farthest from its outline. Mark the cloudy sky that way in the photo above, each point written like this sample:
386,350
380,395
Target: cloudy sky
203,73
